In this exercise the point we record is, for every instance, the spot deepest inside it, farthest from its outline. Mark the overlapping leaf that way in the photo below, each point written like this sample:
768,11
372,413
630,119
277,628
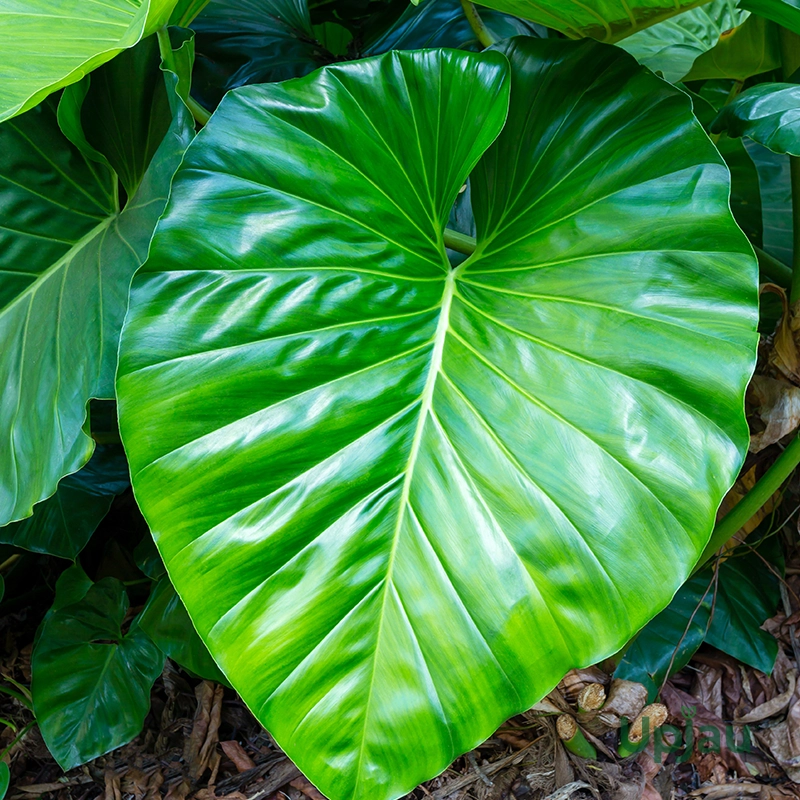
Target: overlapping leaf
48,44
417,495
607,20
768,113
672,46
67,255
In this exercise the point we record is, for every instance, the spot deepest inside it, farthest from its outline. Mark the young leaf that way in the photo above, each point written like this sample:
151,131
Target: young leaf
166,622
90,684
66,259
607,20
49,44
768,114
399,500
672,46
63,524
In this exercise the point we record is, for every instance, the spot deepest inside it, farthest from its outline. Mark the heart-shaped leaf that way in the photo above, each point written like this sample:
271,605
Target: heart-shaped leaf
48,44
91,684
784,12
400,500
67,255
768,114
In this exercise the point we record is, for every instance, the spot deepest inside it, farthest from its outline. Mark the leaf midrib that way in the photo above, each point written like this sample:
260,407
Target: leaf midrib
426,403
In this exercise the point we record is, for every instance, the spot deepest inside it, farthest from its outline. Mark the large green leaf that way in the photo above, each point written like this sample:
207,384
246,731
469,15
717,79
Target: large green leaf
607,20
672,46
90,683
48,44
63,524
66,259
768,114
400,500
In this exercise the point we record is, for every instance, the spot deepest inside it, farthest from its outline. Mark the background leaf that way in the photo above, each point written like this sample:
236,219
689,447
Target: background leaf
671,47
49,44
63,524
67,255
91,684
768,113
166,622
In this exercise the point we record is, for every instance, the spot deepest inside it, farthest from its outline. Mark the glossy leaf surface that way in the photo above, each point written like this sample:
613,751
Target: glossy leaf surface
776,199
671,47
48,44
768,114
91,685
408,520
607,20
63,524
166,622
66,259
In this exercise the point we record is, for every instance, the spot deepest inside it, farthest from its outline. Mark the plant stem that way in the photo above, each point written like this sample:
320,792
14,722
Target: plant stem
776,271
572,737
790,58
200,114
749,505
477,24
9,561
459,242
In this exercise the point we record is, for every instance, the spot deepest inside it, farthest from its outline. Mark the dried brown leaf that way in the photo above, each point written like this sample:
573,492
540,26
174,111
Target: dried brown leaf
237,754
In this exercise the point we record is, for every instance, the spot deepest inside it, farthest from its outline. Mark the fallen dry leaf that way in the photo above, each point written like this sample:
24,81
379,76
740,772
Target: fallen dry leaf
202,741
778,404
774,706
783,739
112,791
236,753
310,791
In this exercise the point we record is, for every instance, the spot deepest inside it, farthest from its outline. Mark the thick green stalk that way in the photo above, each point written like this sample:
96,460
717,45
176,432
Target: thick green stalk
747,507
477,24
459,242
772,270
790,56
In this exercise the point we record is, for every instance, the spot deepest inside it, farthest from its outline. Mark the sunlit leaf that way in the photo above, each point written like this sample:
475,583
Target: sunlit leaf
400,500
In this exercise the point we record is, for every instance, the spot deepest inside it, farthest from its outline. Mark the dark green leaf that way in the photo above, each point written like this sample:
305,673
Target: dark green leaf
253,41
747,596
91,684
5,779
63,524
669,640
166,622
776,200
147,558
66,259
399,500
768,113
